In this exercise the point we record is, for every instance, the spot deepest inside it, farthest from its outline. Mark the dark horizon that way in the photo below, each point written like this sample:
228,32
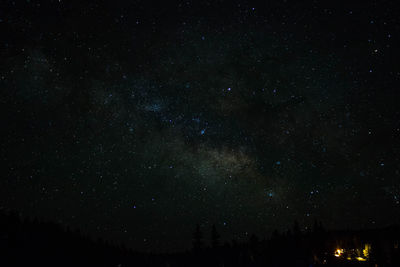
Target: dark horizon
206,235
135,120
49,243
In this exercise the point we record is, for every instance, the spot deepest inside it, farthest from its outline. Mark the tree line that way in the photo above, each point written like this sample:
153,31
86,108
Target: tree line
26,242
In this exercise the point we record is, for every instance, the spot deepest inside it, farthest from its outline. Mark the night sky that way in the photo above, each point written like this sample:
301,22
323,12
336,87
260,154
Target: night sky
133,121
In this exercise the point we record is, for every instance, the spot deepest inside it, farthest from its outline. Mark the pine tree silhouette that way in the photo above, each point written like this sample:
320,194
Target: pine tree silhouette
214,237
197,238
296,229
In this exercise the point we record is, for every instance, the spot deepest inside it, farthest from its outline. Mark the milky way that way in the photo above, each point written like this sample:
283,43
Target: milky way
135,126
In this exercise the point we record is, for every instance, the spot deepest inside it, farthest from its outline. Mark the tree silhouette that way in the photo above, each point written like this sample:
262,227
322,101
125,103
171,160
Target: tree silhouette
318,228
30,241
197,238
214,237
296,229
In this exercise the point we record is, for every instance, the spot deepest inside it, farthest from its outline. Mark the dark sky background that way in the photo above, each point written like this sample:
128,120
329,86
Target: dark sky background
133,121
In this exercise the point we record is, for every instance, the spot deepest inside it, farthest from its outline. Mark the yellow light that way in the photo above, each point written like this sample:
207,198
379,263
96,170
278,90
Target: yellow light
338,252
367,250
360,259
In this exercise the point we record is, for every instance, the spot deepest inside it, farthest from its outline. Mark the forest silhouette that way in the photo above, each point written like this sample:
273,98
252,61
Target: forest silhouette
27,242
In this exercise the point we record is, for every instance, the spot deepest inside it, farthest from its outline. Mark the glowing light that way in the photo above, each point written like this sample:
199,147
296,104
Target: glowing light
338,252
367,250
361,259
